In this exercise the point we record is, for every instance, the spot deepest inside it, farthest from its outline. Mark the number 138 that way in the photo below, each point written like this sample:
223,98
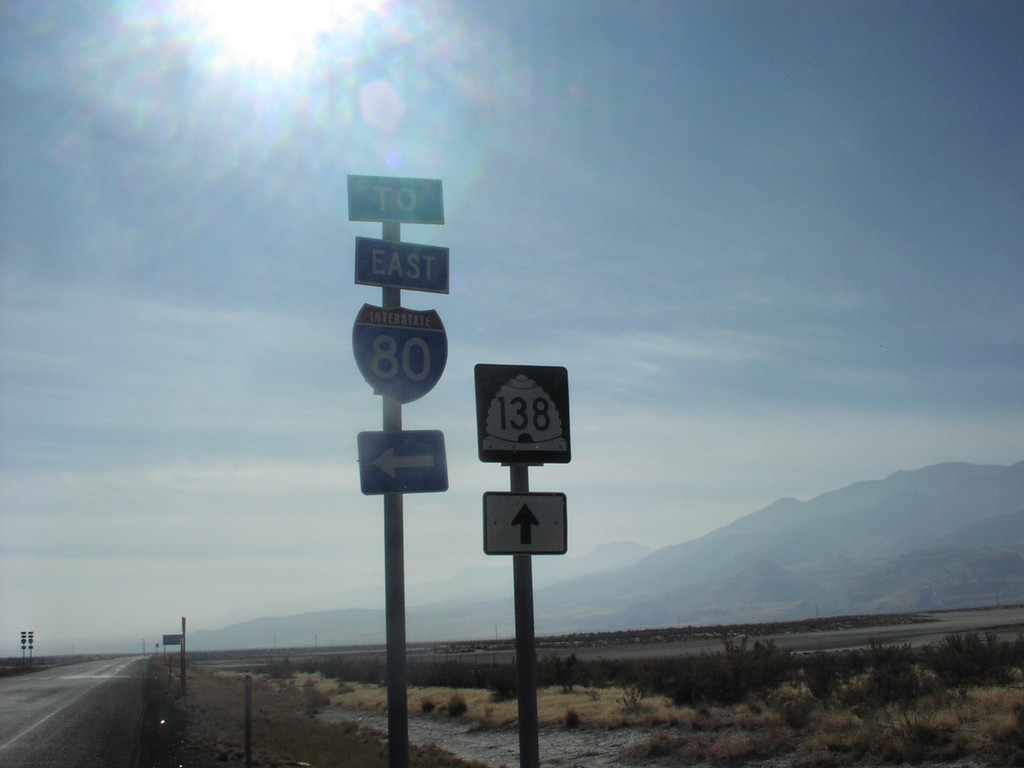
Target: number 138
519,414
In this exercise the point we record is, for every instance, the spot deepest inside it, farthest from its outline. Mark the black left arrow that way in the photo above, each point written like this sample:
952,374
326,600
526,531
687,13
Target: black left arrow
525,519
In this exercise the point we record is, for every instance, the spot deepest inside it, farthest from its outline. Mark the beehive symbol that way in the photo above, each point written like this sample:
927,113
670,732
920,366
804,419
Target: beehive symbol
523,417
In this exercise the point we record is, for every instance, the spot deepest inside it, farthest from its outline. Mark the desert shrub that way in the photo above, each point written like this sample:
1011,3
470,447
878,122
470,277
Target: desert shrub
572,719
314,699
961,660
1000,739
659,745
351,669
448,674
632,699
734,746
281,669
427,705
1012,743
728,677
457,706
558,670
822,675
737,672
915,736
680,681
891,677
796,705
502,683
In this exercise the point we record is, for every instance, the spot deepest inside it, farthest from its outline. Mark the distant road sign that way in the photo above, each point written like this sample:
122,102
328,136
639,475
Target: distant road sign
387,198
173,639
522,414
401,265
402,462
525,524
400,352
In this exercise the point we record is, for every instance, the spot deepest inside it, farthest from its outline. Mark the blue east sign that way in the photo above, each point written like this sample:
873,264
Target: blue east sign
402,462
390,198
400,352
401,265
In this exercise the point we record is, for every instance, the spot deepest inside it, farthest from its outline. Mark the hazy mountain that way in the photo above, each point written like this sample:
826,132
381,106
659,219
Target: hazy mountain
294,622
948,535
868,520
942,577
495,581
997,532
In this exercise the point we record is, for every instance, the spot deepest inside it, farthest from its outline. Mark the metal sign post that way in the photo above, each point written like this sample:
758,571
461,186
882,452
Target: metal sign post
526,643
394,573
401,354
182,664
394,578
523,420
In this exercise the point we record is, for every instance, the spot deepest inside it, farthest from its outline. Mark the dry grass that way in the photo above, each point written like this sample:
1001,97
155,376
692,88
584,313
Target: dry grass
284,731
984,725
604,707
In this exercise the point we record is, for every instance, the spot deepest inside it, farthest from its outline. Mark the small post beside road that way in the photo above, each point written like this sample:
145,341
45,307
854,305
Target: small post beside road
248,720
182,664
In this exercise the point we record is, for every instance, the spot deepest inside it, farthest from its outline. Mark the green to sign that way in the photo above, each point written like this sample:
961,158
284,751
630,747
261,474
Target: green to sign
388,198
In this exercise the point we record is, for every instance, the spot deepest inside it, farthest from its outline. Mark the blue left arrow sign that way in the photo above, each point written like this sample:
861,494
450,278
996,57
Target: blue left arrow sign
402,462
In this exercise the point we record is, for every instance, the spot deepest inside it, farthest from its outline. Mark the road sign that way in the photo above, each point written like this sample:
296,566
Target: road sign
173,639
400,352
524,524
401,265
402,462
522,414
387,198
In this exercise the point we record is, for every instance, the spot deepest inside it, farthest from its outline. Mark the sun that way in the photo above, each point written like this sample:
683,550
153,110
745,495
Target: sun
273,37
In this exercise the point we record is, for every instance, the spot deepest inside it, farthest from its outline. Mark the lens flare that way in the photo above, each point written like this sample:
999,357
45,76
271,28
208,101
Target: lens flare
287,94
270,36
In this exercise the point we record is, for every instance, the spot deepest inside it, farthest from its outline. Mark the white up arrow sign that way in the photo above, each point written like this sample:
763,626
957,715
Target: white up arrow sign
524,523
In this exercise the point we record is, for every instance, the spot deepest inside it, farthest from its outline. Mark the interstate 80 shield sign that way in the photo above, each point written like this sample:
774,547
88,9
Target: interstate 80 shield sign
400,352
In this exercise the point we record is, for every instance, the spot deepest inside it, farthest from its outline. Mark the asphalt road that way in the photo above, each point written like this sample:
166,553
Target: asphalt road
78,716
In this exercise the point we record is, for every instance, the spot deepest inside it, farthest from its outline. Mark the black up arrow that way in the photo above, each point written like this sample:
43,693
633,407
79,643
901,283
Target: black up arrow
525,519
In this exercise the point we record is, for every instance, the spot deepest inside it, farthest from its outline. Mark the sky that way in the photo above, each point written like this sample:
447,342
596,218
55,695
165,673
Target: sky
777,247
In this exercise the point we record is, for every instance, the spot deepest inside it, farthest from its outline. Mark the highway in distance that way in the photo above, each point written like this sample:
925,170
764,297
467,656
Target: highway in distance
80,716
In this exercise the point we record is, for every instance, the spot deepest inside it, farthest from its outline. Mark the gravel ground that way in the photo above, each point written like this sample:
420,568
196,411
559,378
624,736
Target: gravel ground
164,733
499,747
560,747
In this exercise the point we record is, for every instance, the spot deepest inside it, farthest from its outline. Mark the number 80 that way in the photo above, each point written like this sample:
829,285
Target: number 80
386,363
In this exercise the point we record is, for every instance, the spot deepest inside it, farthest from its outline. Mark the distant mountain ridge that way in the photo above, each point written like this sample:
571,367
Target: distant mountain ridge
862,525
948,535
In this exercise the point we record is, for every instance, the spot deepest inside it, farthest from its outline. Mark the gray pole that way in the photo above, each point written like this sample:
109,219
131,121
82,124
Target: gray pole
182,665
394,573
526,649
248,721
